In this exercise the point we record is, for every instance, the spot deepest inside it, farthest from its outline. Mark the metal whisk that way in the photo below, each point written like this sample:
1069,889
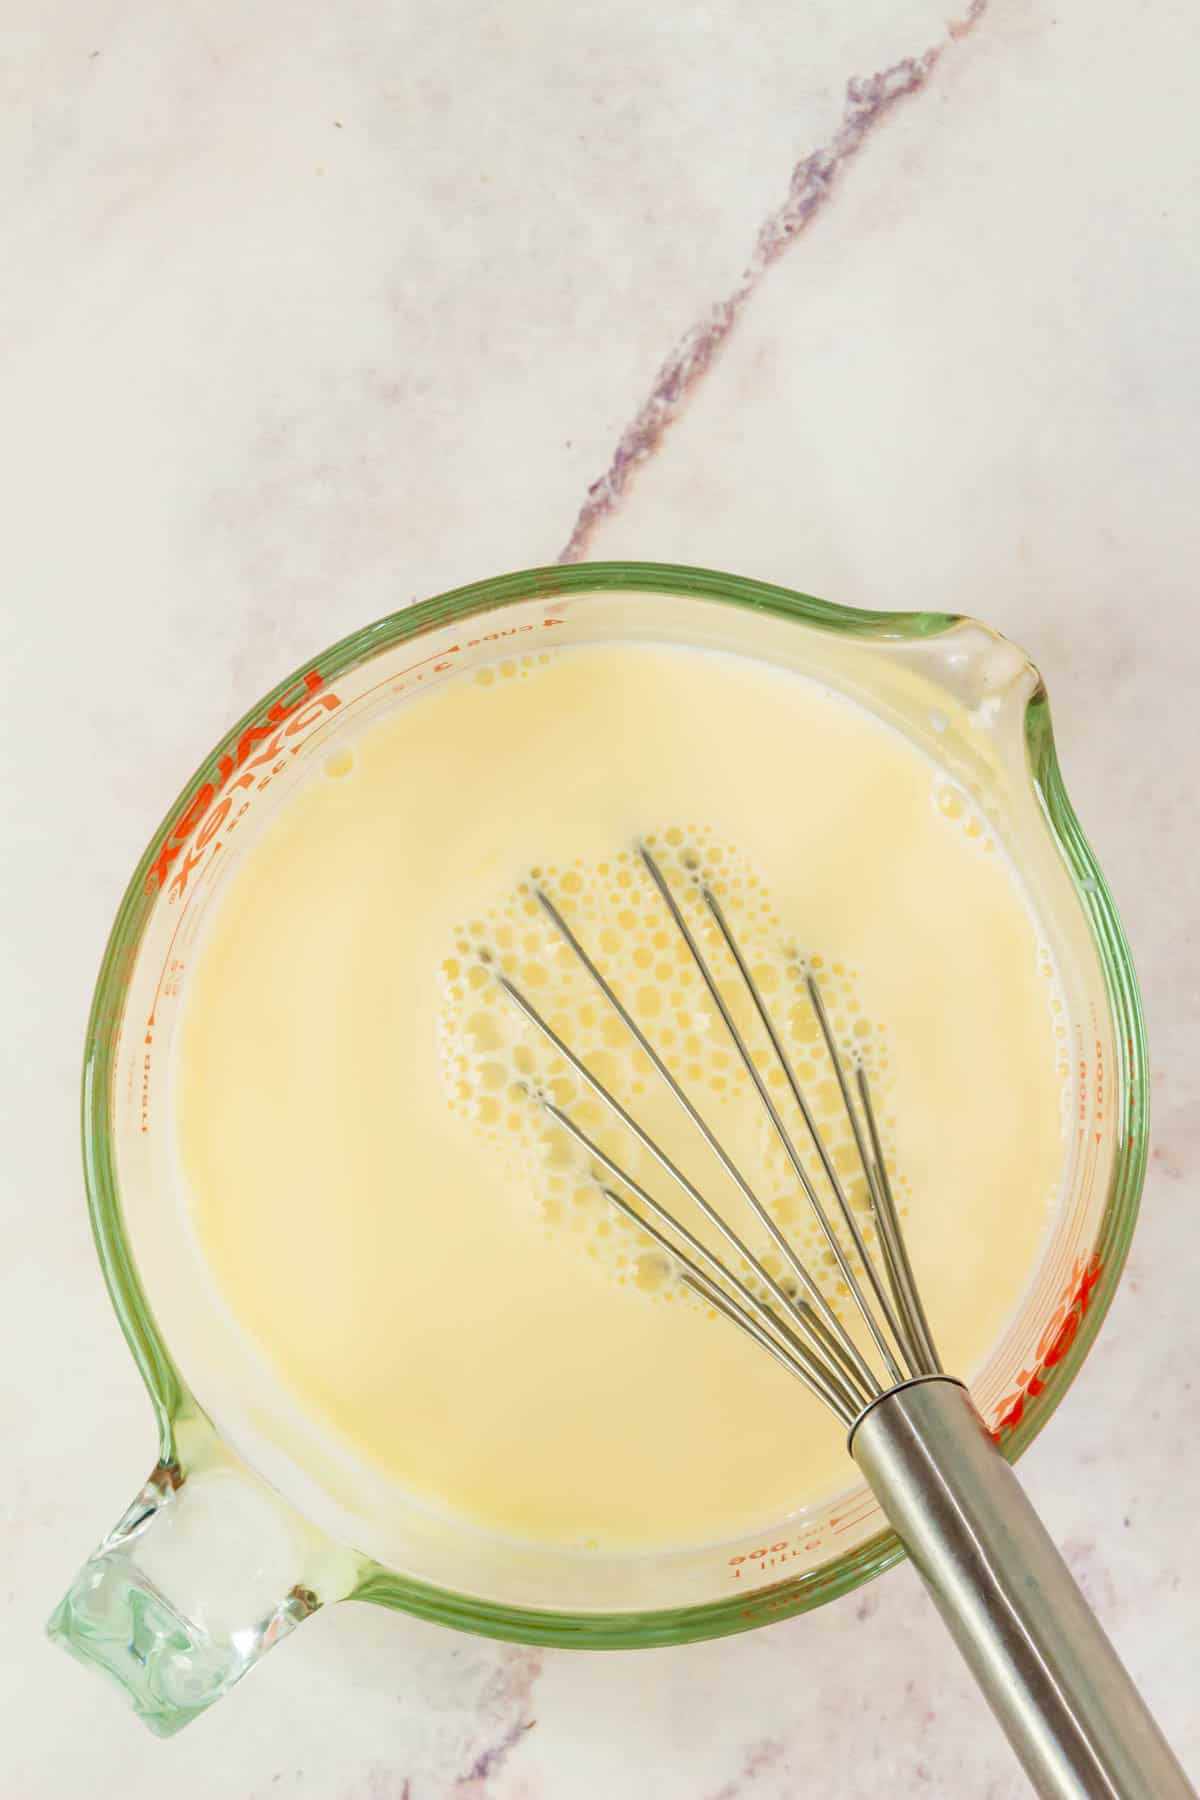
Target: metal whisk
1053,1680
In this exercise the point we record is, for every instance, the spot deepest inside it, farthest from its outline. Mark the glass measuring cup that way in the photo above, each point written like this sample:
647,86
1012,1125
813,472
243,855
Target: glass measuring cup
249,1520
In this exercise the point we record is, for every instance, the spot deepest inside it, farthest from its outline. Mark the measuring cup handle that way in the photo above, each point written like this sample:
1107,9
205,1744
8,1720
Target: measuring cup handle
1054,1682
207,1569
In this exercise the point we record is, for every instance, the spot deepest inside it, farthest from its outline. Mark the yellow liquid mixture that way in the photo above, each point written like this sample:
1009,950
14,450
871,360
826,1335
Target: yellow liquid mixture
386,1206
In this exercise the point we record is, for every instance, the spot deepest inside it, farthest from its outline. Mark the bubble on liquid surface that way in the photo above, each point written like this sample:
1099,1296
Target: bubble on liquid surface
511,668
957,806
538,1112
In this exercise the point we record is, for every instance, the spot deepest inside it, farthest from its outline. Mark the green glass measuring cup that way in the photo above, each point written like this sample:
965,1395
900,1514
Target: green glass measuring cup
249,1521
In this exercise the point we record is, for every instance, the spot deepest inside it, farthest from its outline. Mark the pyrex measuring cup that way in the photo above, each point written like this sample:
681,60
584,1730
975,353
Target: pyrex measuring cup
250,1520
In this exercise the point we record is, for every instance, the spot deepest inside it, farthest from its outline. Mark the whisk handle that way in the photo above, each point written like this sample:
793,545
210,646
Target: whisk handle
1053,1680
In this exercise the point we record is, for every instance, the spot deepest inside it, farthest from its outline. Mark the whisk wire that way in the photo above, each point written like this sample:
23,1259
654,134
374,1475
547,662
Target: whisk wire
760,1086
843,1262
849,1349
1053,1680
894,1248
795,1355
866,1386
800,1330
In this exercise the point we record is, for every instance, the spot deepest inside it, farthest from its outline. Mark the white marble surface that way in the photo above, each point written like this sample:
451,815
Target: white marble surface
310,310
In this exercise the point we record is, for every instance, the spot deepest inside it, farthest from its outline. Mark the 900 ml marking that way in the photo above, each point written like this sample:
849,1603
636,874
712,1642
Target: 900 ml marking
770,1556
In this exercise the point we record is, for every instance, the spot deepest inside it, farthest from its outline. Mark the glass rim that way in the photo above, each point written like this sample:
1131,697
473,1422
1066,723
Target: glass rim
168,1390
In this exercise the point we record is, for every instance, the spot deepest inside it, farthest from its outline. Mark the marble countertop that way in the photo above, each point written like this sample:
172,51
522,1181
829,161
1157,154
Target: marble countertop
312,311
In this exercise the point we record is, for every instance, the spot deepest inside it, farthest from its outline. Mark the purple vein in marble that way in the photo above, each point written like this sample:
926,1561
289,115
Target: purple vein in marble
488,1762
868,100
512,1702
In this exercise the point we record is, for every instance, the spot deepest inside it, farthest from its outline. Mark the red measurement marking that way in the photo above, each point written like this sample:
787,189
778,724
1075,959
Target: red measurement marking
756,1562
1055,1341
847,1521
198,804
187,924
769,1562
494,637
757,1555
1063,1270
442,660
288,709
313,707
162,974
864,1503
395,682
440,657
1066,1245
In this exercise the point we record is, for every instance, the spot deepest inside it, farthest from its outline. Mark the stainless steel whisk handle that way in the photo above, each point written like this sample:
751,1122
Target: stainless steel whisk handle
1053,1680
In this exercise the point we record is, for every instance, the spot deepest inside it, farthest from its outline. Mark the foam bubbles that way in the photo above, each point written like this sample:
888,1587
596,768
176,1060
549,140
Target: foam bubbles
501,1074
957,806
513,668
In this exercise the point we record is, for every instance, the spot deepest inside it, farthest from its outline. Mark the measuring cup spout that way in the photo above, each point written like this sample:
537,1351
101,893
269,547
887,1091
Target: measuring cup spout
206,1570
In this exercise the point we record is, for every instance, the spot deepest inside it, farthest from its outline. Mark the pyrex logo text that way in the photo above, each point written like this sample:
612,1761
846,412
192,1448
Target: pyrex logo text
258,746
